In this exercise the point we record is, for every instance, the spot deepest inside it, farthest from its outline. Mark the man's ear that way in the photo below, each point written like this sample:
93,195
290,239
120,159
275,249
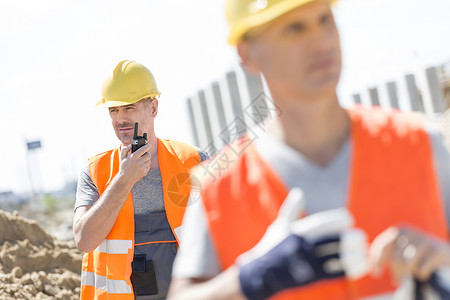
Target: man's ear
154,107
245,51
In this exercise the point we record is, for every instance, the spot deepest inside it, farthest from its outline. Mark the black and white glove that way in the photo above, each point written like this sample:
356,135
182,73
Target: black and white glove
296,252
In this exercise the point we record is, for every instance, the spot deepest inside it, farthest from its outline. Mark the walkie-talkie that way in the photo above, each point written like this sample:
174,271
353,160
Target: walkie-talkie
138,141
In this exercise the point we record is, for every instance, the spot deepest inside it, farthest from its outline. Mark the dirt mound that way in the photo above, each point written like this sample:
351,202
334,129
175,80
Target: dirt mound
33,264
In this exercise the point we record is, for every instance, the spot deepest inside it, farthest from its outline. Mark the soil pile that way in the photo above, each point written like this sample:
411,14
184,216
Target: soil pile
35,265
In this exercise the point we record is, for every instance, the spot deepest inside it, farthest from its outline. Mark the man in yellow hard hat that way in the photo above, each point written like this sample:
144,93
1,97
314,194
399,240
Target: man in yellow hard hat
131,200
381,172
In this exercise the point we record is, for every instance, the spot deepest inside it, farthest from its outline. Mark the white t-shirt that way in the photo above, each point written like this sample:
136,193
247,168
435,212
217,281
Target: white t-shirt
324,188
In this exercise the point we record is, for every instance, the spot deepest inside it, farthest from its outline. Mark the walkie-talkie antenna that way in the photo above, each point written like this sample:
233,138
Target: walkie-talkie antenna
137,141
135,130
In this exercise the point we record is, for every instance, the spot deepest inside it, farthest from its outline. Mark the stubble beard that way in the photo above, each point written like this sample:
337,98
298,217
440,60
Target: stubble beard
125,139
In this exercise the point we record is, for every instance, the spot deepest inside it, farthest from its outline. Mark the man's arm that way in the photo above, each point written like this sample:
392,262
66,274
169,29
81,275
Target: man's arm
92,224
223,286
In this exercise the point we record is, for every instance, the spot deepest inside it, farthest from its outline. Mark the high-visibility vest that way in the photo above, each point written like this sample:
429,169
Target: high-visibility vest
106,270
392,182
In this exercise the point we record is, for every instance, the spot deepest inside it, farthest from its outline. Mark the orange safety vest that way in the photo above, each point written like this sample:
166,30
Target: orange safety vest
106,271
392,182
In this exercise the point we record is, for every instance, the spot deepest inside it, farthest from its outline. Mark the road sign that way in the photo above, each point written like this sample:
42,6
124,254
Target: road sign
34,145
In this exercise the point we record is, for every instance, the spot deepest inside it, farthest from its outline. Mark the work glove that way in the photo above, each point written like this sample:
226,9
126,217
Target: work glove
296,252
437,287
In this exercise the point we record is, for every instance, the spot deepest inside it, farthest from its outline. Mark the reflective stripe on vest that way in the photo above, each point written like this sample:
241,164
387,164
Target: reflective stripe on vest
115,246
102,283
106,271
391,176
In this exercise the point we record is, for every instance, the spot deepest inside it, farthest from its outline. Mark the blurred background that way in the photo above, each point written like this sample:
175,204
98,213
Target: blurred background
55,54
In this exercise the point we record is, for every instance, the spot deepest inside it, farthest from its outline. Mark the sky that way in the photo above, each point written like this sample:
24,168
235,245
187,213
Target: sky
55,55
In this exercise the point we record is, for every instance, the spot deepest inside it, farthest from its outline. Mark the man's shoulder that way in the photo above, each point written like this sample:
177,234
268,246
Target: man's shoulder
101,156
376,121
179,147
176,143
188,154
382,114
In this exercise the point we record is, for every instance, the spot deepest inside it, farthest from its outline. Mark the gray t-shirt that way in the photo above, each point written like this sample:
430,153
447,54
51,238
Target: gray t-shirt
324,188
147,193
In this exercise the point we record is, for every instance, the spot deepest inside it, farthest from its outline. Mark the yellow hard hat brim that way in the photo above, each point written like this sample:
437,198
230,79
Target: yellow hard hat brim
265,16
113,103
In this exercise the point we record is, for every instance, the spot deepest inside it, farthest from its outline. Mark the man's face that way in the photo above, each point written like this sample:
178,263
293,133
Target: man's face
124,117
298,52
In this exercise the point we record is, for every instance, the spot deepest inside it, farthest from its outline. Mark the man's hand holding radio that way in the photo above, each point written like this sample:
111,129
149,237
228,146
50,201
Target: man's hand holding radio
134,166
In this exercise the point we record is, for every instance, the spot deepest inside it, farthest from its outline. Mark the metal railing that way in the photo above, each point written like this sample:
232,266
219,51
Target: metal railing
224,110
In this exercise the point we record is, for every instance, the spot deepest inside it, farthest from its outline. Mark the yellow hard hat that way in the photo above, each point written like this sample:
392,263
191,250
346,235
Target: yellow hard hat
130,83
243,15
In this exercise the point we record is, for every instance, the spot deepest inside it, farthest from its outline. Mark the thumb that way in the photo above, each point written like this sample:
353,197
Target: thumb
293,206
125,151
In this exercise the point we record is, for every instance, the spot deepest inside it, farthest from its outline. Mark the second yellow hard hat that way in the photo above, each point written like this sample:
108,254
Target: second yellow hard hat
243,15
130,83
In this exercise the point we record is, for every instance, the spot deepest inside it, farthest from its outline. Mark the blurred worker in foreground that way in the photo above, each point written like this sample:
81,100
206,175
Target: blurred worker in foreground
385,168
445,126
129,206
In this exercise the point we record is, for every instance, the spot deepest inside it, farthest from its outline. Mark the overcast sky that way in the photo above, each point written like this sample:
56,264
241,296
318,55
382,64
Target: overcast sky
55,55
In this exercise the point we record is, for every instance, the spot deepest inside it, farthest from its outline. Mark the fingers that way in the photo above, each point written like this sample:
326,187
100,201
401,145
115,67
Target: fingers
143,150
430,258
145,158
407,252
135,165
415,256
382,250
428,263
125,152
